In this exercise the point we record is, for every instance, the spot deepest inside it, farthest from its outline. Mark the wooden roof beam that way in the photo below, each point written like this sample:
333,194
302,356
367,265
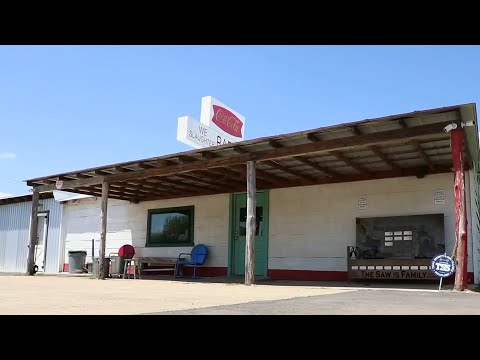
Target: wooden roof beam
274,164
304,182
262,176
402,123
423,154
418,147
206,181
324,146
220,178
122,169
343,158
316,166
308,162
139,188
148,185
97,192
384,157
349,162
142,165
178,185
356,131
287,170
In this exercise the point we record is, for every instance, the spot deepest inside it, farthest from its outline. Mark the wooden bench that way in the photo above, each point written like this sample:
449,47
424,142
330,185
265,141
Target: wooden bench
166,263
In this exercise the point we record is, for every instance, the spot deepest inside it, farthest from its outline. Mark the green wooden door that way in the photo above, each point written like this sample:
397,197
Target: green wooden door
239,234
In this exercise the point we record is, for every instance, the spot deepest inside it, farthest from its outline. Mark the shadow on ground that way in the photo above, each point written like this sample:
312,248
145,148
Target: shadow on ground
359,302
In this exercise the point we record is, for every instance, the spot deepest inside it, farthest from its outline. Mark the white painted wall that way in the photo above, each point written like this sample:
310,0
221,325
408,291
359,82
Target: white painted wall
311,227
127,224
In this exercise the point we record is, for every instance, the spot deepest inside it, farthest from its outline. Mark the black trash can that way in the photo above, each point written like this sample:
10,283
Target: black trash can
76,261
96,267
117,265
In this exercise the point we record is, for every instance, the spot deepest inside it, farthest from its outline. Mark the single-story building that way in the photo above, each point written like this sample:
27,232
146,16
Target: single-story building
388,188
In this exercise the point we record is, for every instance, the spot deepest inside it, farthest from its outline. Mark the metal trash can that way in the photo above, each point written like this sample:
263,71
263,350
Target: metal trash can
76,261
117,265
96,267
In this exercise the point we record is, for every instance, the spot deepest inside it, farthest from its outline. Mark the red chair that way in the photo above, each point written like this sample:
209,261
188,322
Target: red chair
128,252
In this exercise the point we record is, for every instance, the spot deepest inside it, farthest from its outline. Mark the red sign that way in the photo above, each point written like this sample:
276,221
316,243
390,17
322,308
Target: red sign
227,121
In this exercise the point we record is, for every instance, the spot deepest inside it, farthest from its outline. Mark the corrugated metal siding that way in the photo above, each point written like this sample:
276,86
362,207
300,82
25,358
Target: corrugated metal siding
14,235
54,238
14,228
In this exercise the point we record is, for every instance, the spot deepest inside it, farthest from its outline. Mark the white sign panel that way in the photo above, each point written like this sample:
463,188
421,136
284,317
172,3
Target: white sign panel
218,125
439,197
362,202
198,135
222,118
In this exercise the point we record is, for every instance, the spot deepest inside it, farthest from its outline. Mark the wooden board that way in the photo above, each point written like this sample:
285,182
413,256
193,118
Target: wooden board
390,269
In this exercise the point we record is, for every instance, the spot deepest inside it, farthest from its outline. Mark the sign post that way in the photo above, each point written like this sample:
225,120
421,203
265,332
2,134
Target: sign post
221,125
443,266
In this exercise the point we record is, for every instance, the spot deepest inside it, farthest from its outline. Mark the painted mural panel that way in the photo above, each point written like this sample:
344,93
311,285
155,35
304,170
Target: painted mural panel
415,236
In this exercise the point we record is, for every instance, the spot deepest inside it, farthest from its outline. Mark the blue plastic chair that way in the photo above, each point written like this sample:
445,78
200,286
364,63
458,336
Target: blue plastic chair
197,257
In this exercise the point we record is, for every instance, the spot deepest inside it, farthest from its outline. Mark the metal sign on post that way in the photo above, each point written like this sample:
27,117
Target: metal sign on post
443,266
218,125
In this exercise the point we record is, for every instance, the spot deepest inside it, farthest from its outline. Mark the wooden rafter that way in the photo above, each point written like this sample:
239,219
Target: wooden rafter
275,165
324,146
423,154
308,162
349,162
304,182
150,185
262,176
356,131
233,171
207,182
419,148
384,157
178,184
222,177
345,159
140,189
287,170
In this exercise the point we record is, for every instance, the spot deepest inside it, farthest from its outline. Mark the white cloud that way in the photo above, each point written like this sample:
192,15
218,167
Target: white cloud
4,195
7,155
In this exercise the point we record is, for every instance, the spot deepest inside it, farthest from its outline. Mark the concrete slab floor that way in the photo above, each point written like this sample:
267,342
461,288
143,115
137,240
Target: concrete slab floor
85,295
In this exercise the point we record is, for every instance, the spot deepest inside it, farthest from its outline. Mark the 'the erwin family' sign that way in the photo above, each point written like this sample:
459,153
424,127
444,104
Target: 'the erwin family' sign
218,125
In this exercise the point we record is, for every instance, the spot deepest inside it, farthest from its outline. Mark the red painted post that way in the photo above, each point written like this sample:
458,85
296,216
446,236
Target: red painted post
461,255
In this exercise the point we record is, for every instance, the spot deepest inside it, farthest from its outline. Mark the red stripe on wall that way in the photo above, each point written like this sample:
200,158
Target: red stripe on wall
201,271
307,275
283,274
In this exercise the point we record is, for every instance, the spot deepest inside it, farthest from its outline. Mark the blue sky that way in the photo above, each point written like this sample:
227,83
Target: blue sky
65,108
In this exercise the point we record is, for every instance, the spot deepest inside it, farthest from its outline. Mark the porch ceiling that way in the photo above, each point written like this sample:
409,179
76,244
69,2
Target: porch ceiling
394,146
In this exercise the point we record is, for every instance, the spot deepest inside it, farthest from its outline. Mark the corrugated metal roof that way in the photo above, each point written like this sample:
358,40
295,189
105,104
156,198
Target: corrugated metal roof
359,150
23,198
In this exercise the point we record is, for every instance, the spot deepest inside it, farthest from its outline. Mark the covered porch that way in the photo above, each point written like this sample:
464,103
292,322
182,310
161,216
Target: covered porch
407,145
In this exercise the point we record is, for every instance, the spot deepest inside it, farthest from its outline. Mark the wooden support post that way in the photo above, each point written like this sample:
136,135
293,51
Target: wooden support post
251,224
460,253
33,234
103,231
